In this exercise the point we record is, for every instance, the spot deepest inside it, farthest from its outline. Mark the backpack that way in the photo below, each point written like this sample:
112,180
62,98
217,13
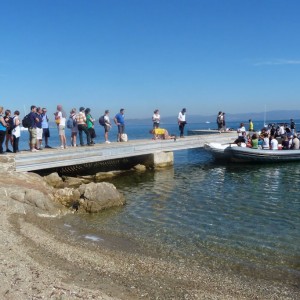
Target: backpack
101,121
124,137
70,123
11,123
26,122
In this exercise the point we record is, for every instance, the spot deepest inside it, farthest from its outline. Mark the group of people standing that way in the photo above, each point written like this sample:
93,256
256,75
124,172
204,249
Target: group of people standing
221,121
78,122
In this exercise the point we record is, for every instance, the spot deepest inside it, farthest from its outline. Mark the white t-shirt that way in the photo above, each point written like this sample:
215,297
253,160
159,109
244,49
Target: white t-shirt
241,130
62,120
181,117
106,120
274,144
156,118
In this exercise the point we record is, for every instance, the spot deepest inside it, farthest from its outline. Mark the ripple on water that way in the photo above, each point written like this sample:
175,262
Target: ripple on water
245,217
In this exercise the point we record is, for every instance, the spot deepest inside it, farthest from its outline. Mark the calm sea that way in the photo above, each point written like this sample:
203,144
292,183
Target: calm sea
244,218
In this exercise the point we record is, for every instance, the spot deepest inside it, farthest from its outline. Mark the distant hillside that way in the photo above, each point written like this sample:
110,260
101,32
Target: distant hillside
284,115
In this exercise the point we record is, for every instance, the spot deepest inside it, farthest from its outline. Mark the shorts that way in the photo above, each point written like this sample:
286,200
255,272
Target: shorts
32,135
39,133
46,132
121,128
61,130
107,128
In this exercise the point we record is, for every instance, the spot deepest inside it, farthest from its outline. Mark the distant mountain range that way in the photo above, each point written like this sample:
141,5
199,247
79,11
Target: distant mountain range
282,115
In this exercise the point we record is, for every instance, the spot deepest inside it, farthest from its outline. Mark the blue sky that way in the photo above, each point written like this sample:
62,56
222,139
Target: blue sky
233,55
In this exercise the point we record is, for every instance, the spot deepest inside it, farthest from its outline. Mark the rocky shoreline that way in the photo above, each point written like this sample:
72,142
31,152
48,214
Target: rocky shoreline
39,261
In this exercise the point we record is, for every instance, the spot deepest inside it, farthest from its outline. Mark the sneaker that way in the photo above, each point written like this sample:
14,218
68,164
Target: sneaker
66,146
8,150
62,147
107,142
34,150
47,146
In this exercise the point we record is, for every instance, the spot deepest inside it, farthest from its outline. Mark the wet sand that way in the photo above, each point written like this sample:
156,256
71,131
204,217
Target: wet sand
39,261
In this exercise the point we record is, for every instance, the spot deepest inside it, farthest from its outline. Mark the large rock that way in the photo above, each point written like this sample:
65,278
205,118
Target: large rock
54,180
73,182
67,196
99,196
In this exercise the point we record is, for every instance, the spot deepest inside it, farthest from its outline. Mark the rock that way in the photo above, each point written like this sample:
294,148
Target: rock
67,196
140,167
99,196
54,180
73,182
104,175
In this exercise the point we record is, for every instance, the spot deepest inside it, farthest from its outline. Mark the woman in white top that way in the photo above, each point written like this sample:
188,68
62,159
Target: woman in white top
60,116
16,132
266,142
156,119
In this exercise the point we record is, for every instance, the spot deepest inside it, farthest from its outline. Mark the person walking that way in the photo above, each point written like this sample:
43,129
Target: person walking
182,121
3,127
156,119
82,127
107,126
120,122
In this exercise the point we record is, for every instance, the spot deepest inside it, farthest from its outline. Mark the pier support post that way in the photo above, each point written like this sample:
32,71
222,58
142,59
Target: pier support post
161,159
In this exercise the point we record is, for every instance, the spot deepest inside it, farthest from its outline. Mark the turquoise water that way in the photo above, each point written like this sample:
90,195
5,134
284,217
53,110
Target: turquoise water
243,218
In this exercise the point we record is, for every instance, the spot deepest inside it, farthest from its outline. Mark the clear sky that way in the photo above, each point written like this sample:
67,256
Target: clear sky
205,55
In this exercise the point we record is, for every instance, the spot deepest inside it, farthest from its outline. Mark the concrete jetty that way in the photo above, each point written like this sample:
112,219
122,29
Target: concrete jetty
160,151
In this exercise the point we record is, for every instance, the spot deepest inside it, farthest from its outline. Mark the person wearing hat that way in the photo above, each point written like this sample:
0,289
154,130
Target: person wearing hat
82,127
181,121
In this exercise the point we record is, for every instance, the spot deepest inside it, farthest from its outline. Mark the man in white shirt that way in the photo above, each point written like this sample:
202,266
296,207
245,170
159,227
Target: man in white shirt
241,129
181,121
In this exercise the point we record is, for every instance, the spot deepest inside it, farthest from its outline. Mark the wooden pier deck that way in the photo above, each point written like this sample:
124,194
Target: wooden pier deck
57,158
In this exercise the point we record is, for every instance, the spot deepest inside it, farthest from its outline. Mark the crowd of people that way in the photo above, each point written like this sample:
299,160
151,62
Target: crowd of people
79,122
274,136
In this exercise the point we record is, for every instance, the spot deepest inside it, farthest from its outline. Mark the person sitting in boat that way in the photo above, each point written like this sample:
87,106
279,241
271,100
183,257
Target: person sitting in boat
241,129
162,134
281,130
266,141
296,143
285,143
274,143
254,141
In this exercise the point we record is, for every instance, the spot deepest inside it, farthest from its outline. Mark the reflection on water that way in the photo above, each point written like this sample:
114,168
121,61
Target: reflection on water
238,217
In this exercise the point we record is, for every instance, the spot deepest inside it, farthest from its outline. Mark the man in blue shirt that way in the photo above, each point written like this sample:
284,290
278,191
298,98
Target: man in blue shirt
120,122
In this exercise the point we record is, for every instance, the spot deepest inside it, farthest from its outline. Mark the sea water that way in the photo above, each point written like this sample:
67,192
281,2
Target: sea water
239,217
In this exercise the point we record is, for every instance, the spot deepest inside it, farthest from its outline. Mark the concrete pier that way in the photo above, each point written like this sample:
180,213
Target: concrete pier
100,155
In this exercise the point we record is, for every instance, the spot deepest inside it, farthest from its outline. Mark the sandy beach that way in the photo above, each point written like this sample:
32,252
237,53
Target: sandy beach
39,262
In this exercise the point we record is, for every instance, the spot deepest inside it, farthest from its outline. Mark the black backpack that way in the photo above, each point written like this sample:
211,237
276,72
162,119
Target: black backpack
26,122
11,123
101,121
